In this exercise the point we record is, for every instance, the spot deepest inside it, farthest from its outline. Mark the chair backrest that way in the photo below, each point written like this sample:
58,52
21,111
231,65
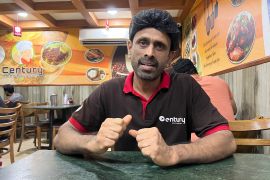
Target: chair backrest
15,110
8,119
250,125
7,125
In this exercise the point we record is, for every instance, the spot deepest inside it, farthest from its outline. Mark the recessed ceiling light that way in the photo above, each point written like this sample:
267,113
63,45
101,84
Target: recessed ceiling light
112,12
22,14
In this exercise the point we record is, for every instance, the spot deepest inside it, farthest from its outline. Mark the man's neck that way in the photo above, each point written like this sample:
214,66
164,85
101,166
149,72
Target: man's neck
145,88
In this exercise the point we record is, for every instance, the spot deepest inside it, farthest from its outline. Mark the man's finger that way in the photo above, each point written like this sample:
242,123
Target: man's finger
133,133
127,119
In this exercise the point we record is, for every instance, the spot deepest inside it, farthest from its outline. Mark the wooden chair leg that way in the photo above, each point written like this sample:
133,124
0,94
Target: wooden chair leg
11,148
22,137
11,153
55,130
39,137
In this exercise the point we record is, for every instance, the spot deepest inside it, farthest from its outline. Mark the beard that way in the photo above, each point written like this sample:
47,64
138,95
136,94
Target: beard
148,68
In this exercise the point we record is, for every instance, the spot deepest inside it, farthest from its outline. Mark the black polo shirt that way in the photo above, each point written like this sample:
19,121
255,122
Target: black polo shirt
178,107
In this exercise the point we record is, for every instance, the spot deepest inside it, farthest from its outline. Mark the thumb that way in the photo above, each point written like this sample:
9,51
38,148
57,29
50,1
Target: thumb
127,119
133,133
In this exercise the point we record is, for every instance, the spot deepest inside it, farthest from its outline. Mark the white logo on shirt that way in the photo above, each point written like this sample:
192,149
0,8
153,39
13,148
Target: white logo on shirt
173,120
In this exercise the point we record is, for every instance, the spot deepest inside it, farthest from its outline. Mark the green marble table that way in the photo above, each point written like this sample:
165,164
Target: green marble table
50,165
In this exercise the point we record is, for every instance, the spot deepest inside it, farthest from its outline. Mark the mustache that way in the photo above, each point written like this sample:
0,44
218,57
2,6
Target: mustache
148,61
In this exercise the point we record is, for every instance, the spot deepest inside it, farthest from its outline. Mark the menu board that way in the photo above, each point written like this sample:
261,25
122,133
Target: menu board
56,58
222,34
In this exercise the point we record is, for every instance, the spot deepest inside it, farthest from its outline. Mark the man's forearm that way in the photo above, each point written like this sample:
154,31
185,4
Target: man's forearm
208,149
69,141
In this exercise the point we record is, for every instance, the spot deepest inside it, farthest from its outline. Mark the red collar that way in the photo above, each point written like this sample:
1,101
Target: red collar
128,86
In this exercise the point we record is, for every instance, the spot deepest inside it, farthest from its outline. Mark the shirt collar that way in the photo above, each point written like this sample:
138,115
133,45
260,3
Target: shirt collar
128,86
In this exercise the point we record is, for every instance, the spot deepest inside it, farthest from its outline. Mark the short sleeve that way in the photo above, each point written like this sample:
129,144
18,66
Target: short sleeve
91,114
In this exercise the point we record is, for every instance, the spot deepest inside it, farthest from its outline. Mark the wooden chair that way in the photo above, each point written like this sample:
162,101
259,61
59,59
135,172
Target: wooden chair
54,132
8,119
257,124
31,127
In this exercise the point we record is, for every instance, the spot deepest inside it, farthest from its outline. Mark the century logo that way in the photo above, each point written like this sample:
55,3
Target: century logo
173,120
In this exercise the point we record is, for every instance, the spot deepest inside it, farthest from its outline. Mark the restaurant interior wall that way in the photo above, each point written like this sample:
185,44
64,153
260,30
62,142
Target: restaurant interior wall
58,58
223,36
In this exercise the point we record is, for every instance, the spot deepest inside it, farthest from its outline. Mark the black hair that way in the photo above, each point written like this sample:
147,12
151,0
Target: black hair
184,66
8,88
158,19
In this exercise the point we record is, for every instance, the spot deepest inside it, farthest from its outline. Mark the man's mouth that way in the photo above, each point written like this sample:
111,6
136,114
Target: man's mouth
147,66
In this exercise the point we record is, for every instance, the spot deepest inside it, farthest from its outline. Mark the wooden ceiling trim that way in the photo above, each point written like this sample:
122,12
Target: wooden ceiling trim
115,22
186,10
162,4
33,24
134,6
55,7
107,4
72,23
9,8
28,6
6,21
91,20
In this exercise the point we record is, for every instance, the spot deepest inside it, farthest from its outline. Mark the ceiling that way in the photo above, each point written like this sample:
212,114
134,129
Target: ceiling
55,14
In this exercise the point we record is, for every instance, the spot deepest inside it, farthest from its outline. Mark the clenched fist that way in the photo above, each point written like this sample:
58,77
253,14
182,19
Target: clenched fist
152,144
110,131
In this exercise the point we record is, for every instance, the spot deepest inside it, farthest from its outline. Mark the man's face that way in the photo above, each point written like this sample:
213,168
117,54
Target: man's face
150,53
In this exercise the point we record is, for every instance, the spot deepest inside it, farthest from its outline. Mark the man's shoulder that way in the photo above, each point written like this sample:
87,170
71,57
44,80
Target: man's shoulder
181,77
114,83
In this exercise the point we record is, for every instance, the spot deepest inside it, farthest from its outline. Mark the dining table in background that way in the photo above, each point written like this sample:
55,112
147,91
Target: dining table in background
49,164
66,111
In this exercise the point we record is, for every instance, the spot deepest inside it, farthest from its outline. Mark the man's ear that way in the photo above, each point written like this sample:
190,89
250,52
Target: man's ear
129,45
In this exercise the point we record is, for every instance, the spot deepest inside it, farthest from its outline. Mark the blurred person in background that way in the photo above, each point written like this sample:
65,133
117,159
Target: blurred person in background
11,97
216,88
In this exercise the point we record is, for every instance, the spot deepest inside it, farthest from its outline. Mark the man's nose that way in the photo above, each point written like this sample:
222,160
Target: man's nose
149,51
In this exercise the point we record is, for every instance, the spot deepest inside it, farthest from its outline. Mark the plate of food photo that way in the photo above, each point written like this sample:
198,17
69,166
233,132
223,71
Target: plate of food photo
2,54
96,74
240,37
55,54
237,2
94,55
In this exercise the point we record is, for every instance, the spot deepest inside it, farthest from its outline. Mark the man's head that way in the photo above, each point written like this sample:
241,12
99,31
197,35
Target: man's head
8,89
185,66
154,37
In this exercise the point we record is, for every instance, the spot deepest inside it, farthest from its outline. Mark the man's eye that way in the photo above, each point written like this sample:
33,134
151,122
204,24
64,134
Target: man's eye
143,43
160,46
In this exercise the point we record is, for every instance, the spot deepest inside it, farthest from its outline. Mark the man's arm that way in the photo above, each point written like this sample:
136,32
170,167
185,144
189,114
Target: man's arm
207,149
69,141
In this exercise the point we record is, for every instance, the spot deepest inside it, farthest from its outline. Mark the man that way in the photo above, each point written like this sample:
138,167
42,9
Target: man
12,97
149,110
216,88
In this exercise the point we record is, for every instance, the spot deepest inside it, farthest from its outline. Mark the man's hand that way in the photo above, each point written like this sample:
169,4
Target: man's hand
110,131
153,145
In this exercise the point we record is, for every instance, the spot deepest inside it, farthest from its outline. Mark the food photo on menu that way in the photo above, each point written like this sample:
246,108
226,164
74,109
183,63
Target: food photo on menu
240,37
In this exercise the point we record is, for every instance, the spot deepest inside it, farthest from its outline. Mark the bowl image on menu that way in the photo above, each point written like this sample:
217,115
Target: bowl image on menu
237,2
94,55
22,52
2,54
55,55
240,37
194,59
96,74
187,49
194,40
